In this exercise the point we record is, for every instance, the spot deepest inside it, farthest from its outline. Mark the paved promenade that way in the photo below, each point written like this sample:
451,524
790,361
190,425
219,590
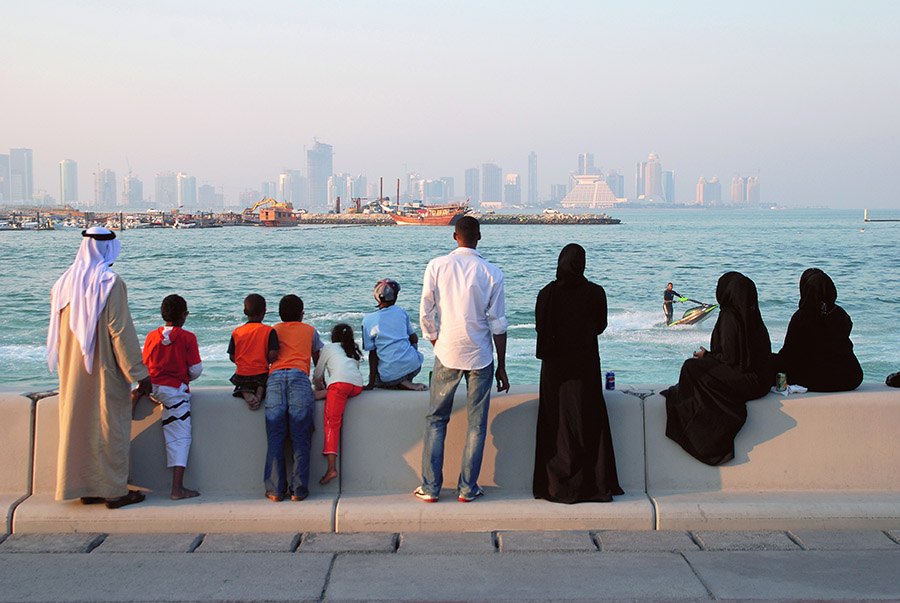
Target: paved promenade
472,566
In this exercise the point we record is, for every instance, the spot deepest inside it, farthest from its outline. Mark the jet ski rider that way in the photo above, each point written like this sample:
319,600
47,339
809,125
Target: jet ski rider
669,297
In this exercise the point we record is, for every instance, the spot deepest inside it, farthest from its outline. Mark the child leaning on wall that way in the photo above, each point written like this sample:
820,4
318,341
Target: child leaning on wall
340,360
253,346
290,405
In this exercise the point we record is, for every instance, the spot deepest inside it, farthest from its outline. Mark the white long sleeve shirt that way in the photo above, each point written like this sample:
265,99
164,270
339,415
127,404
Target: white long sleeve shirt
463,305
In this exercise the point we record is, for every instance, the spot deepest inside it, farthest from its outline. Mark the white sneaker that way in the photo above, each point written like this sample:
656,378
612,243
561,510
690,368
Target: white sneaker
477,494
422,495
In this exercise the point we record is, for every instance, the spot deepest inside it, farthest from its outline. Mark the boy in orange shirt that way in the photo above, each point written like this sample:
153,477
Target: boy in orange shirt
252,348
290,405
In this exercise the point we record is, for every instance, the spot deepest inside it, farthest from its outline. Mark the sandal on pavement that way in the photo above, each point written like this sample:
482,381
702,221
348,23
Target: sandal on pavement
131,498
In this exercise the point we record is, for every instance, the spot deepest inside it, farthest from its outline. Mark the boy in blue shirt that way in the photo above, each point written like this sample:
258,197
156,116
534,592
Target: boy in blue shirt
388,336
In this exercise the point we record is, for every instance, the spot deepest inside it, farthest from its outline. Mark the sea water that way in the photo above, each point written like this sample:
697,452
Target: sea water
334,270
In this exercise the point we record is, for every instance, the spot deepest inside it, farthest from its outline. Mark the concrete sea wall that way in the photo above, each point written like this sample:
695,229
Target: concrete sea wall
807,461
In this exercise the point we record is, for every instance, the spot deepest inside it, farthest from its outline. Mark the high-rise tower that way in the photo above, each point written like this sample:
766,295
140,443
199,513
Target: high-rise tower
104,189
4,178
532,179
472,185
68,182
319,168
652,177
21,175
491,184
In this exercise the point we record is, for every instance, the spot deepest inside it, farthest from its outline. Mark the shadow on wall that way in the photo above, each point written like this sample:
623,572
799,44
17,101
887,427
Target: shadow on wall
755,433
513,435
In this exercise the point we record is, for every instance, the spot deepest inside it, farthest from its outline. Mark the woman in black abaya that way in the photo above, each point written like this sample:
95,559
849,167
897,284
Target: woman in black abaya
574,460
817,352
707,408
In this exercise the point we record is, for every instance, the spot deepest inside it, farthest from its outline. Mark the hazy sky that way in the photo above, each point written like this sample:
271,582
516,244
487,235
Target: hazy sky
807,93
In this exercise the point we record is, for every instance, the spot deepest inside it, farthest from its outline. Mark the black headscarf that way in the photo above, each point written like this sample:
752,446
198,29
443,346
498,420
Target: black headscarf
740,337
570,311
570,267
818,294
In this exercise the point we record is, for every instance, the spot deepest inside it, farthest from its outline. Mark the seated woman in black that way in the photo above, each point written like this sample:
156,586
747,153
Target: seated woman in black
707,408
817,352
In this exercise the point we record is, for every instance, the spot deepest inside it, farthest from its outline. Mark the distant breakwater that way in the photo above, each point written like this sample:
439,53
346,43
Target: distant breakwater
522,219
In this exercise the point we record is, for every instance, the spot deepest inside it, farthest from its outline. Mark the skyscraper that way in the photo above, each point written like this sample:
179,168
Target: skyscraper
491,184
668,186
187,192
512,190
616,183
166,185
652,177
104,189
133,195
639,169
448,188
206,197
270,190
701,192
753,190
714,187
532,179
319,168
738,190
558,192
4,178
339,188
292,188
21,175
586,164
68,182
472,185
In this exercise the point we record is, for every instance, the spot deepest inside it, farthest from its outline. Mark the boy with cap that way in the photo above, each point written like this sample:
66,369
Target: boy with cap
388,336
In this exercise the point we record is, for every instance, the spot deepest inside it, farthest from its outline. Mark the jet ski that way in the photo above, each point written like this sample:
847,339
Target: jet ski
695,314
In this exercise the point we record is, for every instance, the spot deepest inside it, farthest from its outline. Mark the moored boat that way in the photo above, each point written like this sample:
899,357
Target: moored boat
431,215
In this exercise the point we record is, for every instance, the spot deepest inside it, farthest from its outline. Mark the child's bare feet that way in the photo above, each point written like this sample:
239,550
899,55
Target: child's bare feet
416,387
182,492
251,400
329,475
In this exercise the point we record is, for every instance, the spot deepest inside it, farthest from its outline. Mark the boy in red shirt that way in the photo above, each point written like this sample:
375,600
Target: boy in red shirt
173,359
252,348
290,405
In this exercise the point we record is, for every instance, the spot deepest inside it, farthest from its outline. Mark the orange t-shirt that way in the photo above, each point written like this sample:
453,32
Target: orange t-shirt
251,342
296,341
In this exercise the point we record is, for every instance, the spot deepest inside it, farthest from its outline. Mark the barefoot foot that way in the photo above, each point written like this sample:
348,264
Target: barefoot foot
416,387
329,475
182,493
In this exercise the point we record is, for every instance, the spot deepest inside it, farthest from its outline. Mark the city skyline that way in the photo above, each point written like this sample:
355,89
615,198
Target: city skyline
233,95
652,185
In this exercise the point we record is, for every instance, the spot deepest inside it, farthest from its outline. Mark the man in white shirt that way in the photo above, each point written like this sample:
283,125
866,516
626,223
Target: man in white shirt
463,310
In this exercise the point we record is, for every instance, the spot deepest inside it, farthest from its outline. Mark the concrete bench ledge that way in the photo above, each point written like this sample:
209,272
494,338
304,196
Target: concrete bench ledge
808,461
804,462
16,423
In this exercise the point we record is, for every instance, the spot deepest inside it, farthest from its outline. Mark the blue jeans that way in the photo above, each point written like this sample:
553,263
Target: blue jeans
444,382
289,412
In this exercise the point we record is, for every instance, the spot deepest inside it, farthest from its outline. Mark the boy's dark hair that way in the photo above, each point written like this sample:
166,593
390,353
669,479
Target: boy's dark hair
290,308
173,308
254,305
468,229
343,333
